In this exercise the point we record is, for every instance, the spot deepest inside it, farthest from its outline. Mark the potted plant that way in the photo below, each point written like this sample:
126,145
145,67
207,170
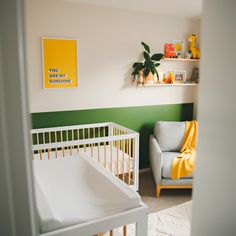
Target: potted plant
148,67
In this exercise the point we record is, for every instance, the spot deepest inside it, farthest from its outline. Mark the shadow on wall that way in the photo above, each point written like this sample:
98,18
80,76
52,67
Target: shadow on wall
140,119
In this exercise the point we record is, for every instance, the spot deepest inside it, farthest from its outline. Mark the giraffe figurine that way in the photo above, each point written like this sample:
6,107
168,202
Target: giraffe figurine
192,47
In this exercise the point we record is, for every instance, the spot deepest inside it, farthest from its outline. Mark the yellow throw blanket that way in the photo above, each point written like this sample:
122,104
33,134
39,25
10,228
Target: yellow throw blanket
183,165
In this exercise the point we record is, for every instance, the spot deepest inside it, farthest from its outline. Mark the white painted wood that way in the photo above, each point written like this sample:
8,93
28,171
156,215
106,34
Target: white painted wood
136,166
167,85
17,215
138,215
72,127
180,60
50,146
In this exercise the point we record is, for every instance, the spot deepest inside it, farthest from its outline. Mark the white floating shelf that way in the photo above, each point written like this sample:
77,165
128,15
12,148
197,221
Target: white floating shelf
180,59
168,85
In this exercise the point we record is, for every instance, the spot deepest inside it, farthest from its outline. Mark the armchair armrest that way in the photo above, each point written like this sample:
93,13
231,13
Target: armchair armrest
156,159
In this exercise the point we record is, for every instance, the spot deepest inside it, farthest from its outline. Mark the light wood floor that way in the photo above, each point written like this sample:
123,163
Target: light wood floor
168,198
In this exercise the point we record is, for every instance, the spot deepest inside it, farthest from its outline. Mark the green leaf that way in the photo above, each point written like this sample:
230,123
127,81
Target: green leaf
146,47
147,64
146,71
135,72
157,57
155,71
157,64
136,64
146,56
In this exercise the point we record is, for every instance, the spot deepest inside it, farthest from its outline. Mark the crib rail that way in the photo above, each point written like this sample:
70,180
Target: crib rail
111,145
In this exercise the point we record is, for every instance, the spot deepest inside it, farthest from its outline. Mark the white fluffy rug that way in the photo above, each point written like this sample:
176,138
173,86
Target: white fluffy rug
174,221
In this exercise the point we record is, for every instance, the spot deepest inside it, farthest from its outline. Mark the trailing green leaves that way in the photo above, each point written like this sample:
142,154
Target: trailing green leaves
150,63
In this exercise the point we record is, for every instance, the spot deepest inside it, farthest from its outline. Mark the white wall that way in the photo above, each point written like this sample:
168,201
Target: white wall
109,43
214,198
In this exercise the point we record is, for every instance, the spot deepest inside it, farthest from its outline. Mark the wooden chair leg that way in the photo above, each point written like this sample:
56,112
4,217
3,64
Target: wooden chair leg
158,191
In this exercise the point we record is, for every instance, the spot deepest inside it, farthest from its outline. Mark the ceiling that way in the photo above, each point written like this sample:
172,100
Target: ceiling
184,8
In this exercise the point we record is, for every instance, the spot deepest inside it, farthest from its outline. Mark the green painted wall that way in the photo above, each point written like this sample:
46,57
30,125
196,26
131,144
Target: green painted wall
140,119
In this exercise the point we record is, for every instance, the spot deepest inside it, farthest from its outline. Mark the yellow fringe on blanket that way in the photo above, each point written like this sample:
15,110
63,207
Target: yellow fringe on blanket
183,165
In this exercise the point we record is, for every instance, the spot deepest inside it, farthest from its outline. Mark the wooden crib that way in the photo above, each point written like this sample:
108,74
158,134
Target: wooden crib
113,146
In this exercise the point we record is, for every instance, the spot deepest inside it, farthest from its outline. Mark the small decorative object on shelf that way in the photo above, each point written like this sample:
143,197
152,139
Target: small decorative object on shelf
144,72
195,75
170,50
189,54
175,50
192,47
169,78
180,77
178,47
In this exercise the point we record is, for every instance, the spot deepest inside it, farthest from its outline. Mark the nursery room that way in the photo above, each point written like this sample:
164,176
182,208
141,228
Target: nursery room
110,109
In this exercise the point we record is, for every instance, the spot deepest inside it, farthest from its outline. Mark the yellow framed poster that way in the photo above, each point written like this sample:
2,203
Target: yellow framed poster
60,63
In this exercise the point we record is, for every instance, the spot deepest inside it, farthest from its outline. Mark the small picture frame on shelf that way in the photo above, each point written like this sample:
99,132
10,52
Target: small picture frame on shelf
178,48
180,77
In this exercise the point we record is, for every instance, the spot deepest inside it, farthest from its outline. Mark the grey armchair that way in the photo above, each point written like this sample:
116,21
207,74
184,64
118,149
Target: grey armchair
164,146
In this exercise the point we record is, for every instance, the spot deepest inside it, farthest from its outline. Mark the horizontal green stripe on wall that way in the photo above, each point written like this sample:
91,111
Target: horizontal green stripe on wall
140,119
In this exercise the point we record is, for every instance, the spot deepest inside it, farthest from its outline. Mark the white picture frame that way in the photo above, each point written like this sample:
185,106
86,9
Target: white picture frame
180,76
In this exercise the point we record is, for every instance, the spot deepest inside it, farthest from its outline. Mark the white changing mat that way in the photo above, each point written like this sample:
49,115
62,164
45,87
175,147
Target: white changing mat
70,191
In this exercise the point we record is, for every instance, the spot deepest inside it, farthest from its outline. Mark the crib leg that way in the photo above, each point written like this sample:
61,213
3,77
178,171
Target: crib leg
142,226
124,230
111,232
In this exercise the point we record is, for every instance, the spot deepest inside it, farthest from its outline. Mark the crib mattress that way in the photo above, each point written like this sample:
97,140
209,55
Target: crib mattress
75,190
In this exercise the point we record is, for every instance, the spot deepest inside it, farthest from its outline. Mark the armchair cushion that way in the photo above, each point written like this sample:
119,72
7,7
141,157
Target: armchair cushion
169,135
168,157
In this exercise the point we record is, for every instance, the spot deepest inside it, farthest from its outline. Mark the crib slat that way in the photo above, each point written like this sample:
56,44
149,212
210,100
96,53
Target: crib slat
73,138
99,146
117,158
63,151
37,138
133,159
123,161
105,154
110,156
49,137
55,133
129,150
83,139
78,139
89,143
49,140
43,138
40,151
